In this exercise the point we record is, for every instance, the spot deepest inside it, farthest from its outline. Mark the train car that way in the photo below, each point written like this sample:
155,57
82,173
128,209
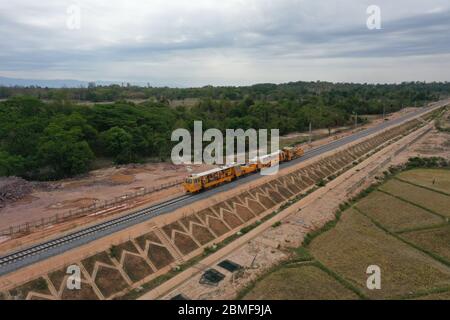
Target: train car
269,160
291,153
250,167
212,178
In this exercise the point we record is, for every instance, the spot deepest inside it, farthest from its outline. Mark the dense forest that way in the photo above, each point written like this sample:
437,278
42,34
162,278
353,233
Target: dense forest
47,134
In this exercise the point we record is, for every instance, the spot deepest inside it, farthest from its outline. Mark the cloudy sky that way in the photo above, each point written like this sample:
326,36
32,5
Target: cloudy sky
224,42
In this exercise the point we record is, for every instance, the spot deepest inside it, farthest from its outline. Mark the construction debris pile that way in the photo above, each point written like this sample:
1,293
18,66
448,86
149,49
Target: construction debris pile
13,189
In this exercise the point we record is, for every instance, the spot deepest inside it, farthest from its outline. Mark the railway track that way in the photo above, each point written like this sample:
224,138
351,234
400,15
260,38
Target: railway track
30,255
37,249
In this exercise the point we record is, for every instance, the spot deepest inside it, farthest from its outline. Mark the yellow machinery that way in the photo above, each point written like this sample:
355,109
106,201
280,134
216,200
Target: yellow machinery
209,179
270,160
212,178
249,168
291,153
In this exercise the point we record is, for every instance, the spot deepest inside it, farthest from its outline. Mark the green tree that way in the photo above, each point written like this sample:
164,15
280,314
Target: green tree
118,143
11,165
64,151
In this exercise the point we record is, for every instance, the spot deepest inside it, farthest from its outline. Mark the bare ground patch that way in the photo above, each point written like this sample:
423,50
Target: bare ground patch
38,285
109,281
136,267
85,293
159,256
72,204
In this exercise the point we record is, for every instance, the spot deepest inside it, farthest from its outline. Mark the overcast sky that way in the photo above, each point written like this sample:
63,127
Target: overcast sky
224,42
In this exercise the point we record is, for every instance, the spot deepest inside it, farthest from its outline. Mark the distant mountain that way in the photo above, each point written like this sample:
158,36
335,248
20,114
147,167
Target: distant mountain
56,83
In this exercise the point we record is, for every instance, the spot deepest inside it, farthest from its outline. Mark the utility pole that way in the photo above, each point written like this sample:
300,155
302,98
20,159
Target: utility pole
310,132
356,120
384,112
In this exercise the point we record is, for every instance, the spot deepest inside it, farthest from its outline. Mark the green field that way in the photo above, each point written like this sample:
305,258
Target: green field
402,229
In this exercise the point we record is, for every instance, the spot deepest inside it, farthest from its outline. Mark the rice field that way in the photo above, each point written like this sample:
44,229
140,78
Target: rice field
299,282
436,240
356,243
436,179
402,227
431,200
397,215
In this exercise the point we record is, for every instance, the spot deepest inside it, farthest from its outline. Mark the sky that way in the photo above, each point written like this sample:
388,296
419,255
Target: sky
182,43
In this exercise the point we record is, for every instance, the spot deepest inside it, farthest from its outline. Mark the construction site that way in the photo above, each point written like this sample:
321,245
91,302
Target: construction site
135,233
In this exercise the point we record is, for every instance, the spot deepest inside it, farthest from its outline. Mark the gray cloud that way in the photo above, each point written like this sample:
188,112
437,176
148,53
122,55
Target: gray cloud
226,42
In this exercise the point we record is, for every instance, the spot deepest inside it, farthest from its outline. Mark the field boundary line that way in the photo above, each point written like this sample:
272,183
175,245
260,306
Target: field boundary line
424,293
296,264
340,279
432,255
414,204
436,226
423,187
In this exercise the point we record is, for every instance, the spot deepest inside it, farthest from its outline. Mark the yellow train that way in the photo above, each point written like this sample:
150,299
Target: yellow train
212,178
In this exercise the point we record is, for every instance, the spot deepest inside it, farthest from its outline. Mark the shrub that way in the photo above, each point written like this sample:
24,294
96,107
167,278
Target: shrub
114,252
41,284
321,183
276,224
432,162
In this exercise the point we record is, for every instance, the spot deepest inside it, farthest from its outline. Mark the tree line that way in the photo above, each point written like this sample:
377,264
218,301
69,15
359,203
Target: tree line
45,134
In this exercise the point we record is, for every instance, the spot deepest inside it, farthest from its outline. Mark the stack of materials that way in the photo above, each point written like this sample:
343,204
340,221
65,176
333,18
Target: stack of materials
13,189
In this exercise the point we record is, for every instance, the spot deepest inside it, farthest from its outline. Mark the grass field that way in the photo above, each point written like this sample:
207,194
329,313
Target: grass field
436,296
436,179
396,215
394,229
436,240
299,283
357,243
434,201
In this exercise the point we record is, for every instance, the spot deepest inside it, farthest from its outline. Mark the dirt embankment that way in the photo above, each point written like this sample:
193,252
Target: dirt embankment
29,201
